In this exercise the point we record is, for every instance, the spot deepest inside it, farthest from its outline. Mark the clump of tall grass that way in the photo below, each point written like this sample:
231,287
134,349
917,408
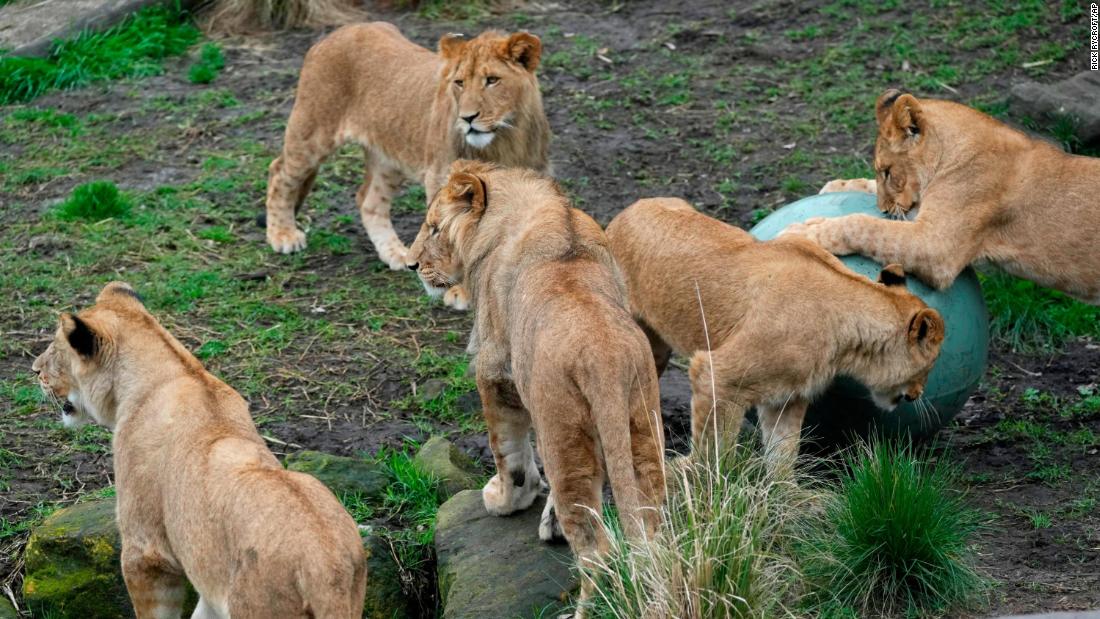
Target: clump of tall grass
250,16
723,549
206,68
136,47
1028,317
94,201
895,538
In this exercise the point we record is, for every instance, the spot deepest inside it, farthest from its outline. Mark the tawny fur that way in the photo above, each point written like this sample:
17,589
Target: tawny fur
408,108
200,497
778,320
556,349
967,188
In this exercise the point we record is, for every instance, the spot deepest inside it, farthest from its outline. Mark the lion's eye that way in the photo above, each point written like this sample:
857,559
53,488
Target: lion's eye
459,83
433,230
492,79
886,173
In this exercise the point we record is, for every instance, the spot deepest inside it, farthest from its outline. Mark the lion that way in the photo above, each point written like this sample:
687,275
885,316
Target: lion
555,349
766,324
963,187
413,111
200,497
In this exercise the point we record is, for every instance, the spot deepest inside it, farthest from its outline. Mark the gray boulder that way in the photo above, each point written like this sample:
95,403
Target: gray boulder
1076,98
341,474
496,567
454,469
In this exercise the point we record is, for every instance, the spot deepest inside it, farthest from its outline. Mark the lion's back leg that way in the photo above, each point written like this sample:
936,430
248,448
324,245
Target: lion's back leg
291,176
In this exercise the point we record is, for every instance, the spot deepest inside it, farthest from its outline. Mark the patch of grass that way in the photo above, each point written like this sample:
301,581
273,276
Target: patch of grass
1028,317
94,201
206,68
896,537
720,551
136,47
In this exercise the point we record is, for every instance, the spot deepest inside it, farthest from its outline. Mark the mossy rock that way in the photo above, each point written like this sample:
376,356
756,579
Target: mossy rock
73,569
497,567
454,469
341,474
72,564
7,611
385,597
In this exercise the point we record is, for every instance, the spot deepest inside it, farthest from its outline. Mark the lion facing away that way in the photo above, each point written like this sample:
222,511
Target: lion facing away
556,349
965,187
200,497
413,111
766,324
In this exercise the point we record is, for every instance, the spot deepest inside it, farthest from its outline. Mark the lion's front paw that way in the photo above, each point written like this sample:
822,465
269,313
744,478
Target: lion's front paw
501,501
395,255
457,298
286,240
862,185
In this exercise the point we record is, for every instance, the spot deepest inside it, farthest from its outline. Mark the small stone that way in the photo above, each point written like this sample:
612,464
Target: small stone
447,463
431,389
341,474
497,567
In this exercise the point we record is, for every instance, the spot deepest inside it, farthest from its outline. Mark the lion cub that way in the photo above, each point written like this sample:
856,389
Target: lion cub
965,187
556,349
199,495
413,111
768,324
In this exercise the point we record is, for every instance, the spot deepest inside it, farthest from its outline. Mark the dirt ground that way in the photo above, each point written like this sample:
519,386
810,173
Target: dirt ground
738,107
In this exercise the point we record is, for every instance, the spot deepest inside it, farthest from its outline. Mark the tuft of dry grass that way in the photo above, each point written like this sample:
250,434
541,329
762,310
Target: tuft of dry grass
252,16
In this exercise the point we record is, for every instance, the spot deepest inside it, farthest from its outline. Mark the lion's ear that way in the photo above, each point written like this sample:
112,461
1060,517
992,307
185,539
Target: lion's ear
469,189
892,275
926,329
524,49
904,115
450,45
80,335
885,103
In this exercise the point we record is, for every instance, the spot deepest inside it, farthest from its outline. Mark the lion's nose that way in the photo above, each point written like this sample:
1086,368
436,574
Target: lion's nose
414,266
470,117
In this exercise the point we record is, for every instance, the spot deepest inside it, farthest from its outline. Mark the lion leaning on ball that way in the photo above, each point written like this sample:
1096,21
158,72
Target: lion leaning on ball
200,496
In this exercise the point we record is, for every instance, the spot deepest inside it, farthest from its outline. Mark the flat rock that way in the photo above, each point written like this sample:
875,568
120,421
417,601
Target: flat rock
1076,98
454,469
497,567
29,28
341,474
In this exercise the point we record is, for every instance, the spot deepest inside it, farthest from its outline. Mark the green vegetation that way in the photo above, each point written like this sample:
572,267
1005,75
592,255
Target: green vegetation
94,201
723,549
1028,317
206,68
895,539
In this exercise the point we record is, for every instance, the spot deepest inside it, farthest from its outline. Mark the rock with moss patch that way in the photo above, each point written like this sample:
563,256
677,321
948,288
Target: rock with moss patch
343,475
454,469
497,567
7,611
385,597
73,564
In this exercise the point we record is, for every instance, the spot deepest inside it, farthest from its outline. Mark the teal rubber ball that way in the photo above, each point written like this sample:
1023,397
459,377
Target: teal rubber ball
846,408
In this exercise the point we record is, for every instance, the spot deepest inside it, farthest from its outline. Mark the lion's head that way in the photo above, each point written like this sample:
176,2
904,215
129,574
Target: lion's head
453,214
77,369
901,370
902,153
492,80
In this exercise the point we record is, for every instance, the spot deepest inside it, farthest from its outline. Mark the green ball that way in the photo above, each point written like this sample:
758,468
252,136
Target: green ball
846,408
